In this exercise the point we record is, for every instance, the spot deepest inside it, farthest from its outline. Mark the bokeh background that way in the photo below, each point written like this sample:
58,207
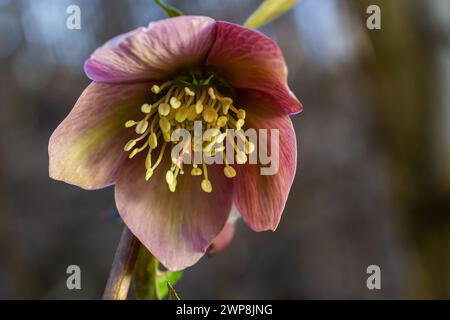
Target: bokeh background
373,177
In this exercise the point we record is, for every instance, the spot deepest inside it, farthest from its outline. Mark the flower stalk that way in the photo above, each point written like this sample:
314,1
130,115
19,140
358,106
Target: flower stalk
123,267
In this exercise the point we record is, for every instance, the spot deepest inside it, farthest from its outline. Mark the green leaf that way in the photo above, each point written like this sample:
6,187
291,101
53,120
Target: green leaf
150,282
172,294
170,11
267,11
167,277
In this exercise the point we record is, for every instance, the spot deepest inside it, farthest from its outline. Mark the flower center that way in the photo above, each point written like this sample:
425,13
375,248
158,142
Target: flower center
187,105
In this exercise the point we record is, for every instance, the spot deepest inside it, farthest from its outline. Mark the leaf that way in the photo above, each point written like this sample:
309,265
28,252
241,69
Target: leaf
150,282
269,10
166,277
172,294
170,11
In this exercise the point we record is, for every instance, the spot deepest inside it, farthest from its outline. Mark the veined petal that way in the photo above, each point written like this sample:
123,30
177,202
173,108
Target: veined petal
178,227
259,198
248,59
153,53
225,236
87,147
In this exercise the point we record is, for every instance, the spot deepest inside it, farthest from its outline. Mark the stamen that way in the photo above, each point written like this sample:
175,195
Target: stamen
189,92
141,126
229,172
206,184
196,172
164,109
130,123
178,107
146,108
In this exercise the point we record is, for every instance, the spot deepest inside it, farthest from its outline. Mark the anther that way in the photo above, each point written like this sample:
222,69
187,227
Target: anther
130,144
206,185
241,114
141,126
229,172
189,92
209,114
164,124
153,141
198,107
146,108
164,109
249,147
222,121
239,124
196,172
212,94
241,157
181,114
175,103
130,123
156,89
170,177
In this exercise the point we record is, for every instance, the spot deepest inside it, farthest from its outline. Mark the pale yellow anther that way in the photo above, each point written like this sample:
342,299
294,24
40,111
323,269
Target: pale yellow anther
130,123
166,136
173,186
249,147
221,137
130,144
175,103
133,153
206,185
181,114
229,172
164,109
192,114
222,121
239,124
209,114
198,107
141,126
212,94
189,92
177,108
148,174
170,177
165,126
153,141
196,172
241,157
146,108
241,114
156,89
225,108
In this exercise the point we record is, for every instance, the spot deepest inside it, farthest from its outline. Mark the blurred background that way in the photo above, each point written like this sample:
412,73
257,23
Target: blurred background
373,179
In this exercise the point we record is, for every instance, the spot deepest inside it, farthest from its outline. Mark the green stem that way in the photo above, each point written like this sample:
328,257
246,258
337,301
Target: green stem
145,276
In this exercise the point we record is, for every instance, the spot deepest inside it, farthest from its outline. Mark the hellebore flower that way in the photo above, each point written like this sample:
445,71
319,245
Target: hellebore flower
150,81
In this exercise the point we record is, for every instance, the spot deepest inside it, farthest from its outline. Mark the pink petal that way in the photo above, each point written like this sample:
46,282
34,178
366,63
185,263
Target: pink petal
223,239
87,147
178,227
226,235
162,49
260,199
248,59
